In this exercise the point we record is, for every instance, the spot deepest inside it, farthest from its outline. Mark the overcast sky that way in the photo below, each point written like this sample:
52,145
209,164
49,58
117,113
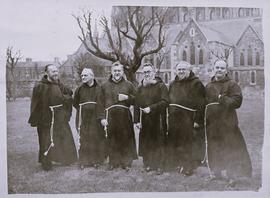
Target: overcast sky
45,29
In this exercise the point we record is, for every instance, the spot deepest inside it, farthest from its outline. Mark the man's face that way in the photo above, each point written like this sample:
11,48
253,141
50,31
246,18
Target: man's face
220,69
117,72
149,73
87,76
182,71
53,73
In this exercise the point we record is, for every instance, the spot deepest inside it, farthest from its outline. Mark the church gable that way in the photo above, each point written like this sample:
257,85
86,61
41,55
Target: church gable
249,35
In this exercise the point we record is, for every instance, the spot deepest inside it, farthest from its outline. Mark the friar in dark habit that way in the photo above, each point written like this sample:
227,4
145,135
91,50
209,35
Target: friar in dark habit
186,110
150,116
117,97
51,107
226,149
91,135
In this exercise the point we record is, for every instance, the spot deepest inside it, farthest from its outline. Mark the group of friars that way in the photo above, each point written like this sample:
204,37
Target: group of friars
169,120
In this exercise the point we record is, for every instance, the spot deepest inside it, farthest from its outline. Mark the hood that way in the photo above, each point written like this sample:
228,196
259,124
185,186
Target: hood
226,78
190,77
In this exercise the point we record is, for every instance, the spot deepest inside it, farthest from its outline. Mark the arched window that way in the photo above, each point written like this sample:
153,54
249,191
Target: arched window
241,12
242,59
185,17
236,76
211,14
249,56
166,78
201,57
247,12
253,78
257,58
192,54
226,13
184,55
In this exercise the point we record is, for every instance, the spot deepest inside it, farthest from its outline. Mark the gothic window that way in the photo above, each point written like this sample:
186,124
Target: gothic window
241,12
257,58
212,14
192,32
192,54
201,57
185,17
226,13
252,77
184,55
247,12
236,76
166,78
249,56
242,59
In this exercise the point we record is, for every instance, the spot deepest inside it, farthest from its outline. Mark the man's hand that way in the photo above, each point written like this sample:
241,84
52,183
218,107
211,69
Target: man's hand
146,110
104,122
138,125
122,97
196,125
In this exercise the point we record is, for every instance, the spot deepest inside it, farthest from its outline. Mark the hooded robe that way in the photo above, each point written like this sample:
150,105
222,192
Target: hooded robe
92,136
190,93
152,137
121,137
226,145
45,94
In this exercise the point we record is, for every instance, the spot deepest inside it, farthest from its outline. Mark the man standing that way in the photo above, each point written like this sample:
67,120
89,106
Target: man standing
51,107
117,96
150,115
226,146
91,135
187,98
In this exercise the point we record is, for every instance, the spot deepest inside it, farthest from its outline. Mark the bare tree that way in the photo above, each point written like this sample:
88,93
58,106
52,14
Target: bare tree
12,59
222,53
134,28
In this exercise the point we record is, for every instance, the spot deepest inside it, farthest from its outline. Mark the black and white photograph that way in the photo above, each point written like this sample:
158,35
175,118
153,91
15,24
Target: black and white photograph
134,98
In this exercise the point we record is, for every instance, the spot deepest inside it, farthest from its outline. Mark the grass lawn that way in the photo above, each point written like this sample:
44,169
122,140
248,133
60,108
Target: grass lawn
26,176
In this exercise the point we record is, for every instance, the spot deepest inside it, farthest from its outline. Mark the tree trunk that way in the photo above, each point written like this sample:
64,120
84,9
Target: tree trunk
131,77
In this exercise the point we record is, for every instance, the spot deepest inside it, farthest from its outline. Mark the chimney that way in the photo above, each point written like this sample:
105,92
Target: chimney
28,60
56,59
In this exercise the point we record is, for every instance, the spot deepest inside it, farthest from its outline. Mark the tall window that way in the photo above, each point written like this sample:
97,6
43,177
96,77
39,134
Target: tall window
184,55
166,78
226,13
252,77
249,56
241,12
185,17
201,57
192,54
242,59
236,76
257,58
211,14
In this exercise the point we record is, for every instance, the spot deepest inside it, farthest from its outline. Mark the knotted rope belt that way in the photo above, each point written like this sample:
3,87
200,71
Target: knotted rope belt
206,141
107,115
179,106
80,121
51,128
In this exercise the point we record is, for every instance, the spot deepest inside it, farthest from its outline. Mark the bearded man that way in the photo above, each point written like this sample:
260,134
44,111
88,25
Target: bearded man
51,107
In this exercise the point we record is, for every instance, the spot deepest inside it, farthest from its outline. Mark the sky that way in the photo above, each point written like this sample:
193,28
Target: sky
42,30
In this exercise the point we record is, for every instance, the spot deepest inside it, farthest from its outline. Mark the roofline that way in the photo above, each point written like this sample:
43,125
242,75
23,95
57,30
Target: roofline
249,26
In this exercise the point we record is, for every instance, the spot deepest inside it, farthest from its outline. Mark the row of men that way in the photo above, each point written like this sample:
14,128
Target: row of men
166,118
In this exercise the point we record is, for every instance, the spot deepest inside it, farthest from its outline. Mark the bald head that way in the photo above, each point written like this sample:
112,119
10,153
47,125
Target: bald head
220,69
182,69
87,75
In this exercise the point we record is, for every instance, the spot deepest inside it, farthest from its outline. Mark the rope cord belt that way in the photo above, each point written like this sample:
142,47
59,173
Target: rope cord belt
107,115
80,121
206,141
51,128
179,106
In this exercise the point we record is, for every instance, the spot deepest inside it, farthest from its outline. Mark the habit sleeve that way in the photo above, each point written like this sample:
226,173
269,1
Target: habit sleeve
199,97
233,98
164,99
36,105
